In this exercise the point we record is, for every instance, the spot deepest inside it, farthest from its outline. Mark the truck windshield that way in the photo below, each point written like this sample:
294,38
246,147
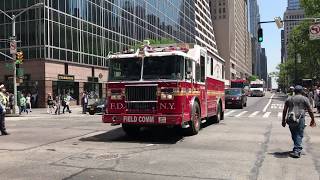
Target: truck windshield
125,69
256,85
164,67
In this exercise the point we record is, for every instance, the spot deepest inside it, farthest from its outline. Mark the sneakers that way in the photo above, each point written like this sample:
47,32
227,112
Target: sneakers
295,154
4,133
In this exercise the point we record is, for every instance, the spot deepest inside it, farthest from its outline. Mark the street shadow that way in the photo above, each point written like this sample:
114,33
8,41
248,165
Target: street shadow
148,135
280,155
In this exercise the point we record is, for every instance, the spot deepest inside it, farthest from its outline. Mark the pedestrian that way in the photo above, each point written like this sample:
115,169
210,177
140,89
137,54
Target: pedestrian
23,104
3,103
84,102
291,91
58,104
294,115
50,104
11,102
28,102
310,97
317,99
66,102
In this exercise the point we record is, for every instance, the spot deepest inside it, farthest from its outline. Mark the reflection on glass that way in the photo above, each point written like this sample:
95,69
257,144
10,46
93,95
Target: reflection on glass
125,69
163,67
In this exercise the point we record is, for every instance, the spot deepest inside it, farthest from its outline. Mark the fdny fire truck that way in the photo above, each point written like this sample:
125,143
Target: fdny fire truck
179,85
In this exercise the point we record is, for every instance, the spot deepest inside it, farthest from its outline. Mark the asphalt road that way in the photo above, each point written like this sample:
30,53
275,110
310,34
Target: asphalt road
248,144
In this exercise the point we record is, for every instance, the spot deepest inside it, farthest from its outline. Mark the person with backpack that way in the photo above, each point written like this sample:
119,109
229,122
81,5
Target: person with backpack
294,115
3,103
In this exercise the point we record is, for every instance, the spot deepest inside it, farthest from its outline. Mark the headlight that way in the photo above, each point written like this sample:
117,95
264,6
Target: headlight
115,94
167,94
238,98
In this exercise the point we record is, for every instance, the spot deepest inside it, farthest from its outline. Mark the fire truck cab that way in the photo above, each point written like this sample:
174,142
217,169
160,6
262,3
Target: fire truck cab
178,85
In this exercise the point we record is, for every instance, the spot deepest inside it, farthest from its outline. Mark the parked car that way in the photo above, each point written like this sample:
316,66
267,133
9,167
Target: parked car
235,97
96,106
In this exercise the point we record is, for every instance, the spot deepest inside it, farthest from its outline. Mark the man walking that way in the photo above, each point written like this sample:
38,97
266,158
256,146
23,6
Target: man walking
84,102
294,115
3,102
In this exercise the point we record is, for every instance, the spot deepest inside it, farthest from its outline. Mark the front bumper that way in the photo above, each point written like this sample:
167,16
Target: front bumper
143,119
233,102
256,93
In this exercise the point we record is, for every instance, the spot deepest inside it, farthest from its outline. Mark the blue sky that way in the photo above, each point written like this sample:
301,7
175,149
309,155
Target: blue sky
271,34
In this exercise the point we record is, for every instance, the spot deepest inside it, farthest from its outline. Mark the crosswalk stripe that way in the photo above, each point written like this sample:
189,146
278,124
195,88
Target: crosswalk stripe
242,113
279,114
230,112
267,114
254,114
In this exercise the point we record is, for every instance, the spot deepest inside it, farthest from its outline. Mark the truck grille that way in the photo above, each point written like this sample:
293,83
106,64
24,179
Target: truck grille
141,99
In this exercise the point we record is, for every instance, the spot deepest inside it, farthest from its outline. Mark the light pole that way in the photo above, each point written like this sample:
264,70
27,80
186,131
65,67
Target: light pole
13,40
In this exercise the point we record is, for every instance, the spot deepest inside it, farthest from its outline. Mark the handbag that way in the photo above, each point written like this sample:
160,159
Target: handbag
292,119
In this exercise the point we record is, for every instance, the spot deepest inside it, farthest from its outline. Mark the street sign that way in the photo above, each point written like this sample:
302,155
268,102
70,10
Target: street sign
314,32
13,47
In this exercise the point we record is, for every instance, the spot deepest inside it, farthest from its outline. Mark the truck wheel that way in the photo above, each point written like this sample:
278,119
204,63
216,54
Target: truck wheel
217,117
131,129
222,113
195,121
91,112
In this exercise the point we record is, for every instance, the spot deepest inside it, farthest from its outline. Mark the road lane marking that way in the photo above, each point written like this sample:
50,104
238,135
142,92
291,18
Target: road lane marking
267,114
242,113
279,114
254,114
230,112
265,108
276,106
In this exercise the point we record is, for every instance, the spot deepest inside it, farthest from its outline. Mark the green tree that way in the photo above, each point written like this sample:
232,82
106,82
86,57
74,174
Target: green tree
299,43
253,78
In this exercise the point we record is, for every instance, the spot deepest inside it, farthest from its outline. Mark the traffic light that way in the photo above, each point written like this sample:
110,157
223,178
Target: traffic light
278,22
260,35
19,58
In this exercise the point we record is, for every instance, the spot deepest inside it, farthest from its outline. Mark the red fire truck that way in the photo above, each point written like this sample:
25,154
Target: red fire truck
166,85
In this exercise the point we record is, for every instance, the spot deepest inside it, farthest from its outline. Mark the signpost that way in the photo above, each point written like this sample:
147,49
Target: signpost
13,47
314,31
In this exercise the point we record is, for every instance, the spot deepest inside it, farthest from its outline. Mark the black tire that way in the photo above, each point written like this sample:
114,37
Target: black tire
217,117
195,122
92,112
131,129
222,113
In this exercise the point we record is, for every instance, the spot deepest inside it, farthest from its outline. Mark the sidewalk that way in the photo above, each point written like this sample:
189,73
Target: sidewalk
38,113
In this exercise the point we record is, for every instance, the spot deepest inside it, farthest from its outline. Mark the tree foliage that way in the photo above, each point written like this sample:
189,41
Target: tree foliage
299,43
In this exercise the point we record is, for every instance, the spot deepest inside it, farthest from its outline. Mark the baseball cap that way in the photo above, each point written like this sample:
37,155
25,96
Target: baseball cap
298,89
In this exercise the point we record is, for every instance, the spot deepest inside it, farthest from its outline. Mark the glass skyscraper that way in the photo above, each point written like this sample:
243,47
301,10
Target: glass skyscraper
84,31
66,42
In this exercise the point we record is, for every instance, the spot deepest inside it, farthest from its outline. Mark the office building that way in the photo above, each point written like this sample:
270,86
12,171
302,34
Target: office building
293,4
254,19
66,42
282,46
263,65
293,12
230,23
